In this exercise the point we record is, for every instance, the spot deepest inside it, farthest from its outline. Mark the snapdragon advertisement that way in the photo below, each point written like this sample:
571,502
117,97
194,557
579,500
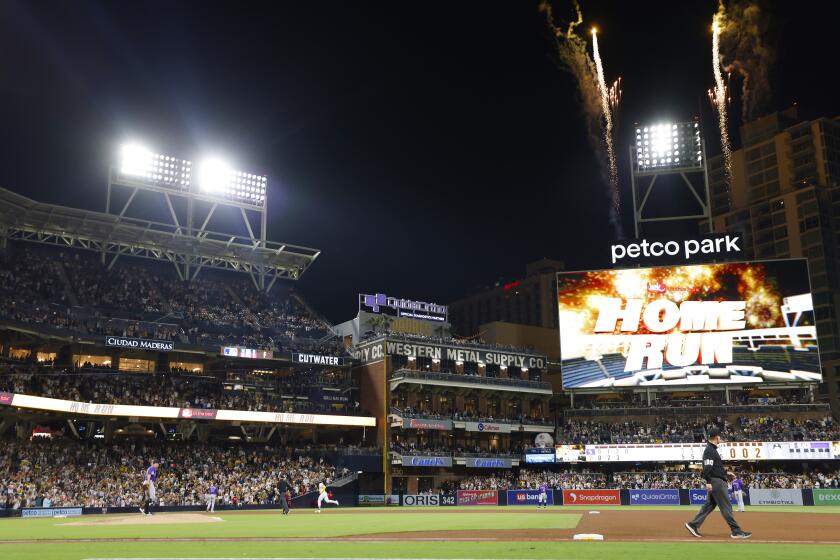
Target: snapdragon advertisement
744,323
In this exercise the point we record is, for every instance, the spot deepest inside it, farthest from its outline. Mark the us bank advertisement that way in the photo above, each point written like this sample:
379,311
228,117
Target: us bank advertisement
738,323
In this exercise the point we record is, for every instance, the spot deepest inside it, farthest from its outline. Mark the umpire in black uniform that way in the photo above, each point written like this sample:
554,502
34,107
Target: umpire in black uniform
717,489
282,488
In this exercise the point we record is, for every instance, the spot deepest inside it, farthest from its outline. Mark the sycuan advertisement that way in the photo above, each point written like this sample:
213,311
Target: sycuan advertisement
744,323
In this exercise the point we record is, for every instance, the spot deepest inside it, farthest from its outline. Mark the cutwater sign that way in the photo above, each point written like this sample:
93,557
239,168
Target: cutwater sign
140,343
488,463
655,497
426,461
317,359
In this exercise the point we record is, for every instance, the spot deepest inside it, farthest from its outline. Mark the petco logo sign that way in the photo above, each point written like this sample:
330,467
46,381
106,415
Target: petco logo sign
655,497
588,497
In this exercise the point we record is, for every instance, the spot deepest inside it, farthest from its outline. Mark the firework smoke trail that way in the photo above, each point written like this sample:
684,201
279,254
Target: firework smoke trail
720,99
573,55
606,109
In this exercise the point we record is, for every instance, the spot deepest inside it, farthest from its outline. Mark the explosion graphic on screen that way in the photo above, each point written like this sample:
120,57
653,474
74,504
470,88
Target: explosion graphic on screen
713,282
687,324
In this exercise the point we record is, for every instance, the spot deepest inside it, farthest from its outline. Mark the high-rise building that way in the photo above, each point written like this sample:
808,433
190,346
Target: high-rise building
531,300
784,198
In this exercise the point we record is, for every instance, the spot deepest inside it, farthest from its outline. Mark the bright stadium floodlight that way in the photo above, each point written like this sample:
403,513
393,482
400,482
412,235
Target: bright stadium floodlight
666,146
141,163
217,177
214,176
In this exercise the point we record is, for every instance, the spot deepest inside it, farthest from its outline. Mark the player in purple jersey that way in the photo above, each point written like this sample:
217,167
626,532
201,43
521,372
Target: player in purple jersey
212,494
738,492
543,498
149,488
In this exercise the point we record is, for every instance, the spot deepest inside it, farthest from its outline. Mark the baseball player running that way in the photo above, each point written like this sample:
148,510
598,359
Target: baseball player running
149,488
543,497
717,490
323,497
738,491
212,495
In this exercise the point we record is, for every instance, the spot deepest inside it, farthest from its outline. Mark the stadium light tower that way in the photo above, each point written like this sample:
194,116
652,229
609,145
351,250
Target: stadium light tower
668,149
192,195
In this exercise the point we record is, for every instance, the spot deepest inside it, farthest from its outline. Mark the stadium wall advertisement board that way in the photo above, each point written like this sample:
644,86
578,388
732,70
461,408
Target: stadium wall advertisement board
140,343
654,497
198,413
317,359
775,497
51,512
527,497
426,461
826,497
375,350
477,498
101,409
378,499
427,424
592,497
421,500
6,398
744,323
539,457
488,427
489,463
697,496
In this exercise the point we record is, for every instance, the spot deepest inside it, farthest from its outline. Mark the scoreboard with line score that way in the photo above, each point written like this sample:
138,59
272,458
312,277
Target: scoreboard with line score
733,451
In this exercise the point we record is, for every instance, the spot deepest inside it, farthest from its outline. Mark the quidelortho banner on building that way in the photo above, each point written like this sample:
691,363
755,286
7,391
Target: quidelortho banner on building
826,497
527,497
477,498
488,427
745,323
421,500
426,461
654,497
775,497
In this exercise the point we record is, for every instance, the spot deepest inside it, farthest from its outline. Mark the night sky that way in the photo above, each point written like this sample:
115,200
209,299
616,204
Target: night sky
426,148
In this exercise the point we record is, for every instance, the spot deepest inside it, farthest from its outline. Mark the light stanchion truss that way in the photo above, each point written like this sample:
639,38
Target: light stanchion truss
115,235
668,149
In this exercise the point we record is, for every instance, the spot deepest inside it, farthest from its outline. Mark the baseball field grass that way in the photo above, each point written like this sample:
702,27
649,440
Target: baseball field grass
652,533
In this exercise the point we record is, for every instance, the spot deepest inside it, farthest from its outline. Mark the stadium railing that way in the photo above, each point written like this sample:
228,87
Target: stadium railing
701,410
468,379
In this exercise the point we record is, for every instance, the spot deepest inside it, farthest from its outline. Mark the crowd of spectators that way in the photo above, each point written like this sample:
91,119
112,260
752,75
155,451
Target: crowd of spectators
469,416
284,394
74,291
688,430
73,473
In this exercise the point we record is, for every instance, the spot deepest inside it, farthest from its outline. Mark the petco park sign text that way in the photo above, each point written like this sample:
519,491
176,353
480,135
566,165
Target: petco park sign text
648,252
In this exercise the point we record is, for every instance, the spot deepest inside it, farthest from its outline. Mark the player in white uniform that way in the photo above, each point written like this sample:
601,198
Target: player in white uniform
323,497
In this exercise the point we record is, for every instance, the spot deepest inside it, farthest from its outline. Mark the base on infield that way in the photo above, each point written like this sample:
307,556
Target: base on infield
588,537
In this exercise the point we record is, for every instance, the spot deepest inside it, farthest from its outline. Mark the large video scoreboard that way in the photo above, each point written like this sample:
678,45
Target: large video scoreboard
729,323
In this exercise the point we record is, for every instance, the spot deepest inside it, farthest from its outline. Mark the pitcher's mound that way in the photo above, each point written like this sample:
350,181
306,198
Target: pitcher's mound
140,519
